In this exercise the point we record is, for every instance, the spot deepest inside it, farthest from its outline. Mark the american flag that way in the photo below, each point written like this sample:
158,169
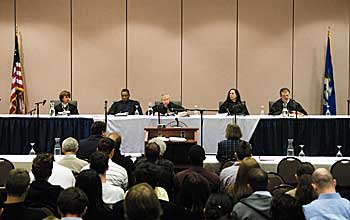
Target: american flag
17,98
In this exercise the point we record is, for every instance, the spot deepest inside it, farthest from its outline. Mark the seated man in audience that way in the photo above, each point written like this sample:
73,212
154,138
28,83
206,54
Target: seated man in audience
17,184
166,106
69,149
111,194
72,204
228,175
89,145
285,101
125,105
116,174
65,106
196,156
329,205
142,203
257,205
42,193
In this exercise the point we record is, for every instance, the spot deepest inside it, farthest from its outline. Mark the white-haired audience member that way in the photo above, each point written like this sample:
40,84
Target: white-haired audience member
329,205
70,160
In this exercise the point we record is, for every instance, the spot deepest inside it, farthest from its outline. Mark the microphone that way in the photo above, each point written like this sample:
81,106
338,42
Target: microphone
44,102
177,122
228,111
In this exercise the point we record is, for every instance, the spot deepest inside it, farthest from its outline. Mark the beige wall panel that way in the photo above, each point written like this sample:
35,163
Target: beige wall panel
209,49
98,52
264,64
312,19
153,49
6,50
45,48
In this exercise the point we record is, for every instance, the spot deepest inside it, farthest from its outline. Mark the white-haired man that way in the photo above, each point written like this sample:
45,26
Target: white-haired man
70,160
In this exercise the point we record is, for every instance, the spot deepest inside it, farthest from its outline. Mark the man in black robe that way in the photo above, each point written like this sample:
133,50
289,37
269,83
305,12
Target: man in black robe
291,105
125,105
166,106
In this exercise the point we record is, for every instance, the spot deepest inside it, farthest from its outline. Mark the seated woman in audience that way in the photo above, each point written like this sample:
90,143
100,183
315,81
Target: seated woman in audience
285,207
305,168
193,195
219,207
65,106
305,192
227,148
233,104
240,188
89,181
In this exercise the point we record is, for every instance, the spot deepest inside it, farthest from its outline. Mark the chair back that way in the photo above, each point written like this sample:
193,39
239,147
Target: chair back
287,168
274,180
57,102
340,171
5,167
270,104
220,103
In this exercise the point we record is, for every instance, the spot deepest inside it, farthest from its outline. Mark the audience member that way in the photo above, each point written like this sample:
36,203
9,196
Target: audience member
142,203
193,195
219,207
285,207
70,160
239,189
257,205
17,184
329,205
42,193
196,156
305,192
72,204
228,175
89,145
111,194
116,174
227,148
305,168
90,182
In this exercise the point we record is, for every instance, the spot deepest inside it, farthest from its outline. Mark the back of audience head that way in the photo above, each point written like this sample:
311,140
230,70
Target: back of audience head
99,162
42,166
152,152
322,181
117,138
233,132
240,189
305,193
160,143
98,128
305,168
72,201
141,202
194,192
70,145
147,172
89,181
285,207
243,151
17,183
257,179
106,145
196,155
219,206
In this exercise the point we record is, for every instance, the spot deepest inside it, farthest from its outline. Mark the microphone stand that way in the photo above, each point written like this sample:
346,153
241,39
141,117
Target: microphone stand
348,101
37,104
32,111
105,111
37,131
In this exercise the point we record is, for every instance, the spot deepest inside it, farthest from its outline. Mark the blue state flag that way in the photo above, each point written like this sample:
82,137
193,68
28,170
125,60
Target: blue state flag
329,89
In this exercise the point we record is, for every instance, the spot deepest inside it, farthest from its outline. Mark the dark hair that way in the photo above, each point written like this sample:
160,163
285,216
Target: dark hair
72,201
218,205
17,182
105,145
305,168
147,172
257,179
285,207
233,132
141,202
42,166
243,150
63,94
152,152
194,193
97,128
196,155
237,94
305,193
89,181
99,162
125,90
283,90
239,189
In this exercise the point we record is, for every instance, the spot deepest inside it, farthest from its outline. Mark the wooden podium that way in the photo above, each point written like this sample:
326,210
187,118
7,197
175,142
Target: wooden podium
176,151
